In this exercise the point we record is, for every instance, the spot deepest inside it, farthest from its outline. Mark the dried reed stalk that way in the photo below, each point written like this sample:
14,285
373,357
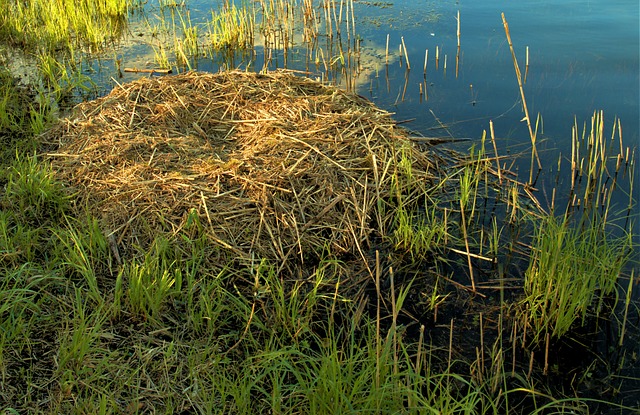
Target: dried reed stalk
532,135
277,166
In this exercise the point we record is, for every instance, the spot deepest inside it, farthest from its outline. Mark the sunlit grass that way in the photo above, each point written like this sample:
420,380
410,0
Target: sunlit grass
571,270
232,28
32,190
239,340
166,329
51,26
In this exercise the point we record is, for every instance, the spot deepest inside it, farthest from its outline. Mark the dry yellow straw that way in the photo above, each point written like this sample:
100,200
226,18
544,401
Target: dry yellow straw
458,33
426,58
534,152
406,53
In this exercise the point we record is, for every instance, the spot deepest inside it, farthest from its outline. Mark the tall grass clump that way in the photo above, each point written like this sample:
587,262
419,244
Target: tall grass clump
51,26
151,281
572,269
578,256
61,79
12,108
33,191
232,28
83,251
417,223
24,113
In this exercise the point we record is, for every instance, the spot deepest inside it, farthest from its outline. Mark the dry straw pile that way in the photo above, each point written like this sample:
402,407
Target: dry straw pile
276,166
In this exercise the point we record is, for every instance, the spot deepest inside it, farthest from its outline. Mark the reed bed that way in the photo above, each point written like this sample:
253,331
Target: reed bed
278,167
245,207
256,240
53,26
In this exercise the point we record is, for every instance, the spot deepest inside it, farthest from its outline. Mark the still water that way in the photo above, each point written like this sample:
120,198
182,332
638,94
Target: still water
582,55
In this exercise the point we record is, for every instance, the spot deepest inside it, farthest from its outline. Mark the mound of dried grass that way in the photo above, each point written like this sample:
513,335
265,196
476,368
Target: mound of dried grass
276,166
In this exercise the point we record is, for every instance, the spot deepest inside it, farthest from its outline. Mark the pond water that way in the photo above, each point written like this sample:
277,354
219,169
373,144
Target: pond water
582,57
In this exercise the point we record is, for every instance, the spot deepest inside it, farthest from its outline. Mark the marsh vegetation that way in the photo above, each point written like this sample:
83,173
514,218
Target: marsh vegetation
287,247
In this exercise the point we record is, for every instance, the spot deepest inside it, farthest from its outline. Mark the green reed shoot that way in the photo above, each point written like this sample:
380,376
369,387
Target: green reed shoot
160,57
189,35
78,340
572,270
417,223
231,28
84,250
13,111
596,165
33,190
62,25
467,197
153,281
418,233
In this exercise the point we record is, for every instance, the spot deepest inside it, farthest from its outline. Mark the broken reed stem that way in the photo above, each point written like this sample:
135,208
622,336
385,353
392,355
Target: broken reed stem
337,20
347,20
426,58
437,56
458,32
353,22
526,66
329,24
546,354
406,83
532,135
386,51
406,53
495,150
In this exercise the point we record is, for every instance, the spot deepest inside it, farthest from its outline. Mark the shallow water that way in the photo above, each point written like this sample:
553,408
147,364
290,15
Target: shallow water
583,56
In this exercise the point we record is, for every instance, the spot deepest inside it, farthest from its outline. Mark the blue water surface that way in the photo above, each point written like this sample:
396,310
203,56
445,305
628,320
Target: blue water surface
583,57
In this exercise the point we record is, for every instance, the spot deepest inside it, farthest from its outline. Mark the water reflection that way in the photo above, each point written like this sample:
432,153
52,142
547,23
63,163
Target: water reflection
582,55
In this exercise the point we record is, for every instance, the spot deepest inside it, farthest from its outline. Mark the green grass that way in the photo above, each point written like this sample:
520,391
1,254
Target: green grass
48,26
232,28
418,224
24,113
572,270
88,328
578,257
167,331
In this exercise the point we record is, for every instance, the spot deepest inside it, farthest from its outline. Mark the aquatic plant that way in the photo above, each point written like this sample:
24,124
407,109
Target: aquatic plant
232,28
572,271
63,25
